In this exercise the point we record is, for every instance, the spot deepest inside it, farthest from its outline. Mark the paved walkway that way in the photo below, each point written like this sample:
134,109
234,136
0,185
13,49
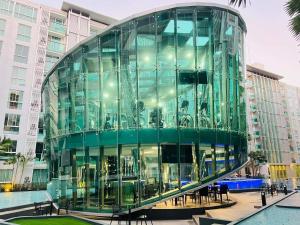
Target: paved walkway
246,203
155,222
293,201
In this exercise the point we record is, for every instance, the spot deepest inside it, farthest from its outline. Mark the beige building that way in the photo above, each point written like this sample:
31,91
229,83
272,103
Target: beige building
32,38
273,122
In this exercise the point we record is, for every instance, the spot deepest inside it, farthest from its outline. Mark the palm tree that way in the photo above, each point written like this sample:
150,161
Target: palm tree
292,7
256,158
238,2
23,160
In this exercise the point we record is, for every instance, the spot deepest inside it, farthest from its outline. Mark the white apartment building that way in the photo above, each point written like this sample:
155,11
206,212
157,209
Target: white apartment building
274,122
32,38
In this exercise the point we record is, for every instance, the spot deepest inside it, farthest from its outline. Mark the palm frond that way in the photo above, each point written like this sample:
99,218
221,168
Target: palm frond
295,26
292,7
238,2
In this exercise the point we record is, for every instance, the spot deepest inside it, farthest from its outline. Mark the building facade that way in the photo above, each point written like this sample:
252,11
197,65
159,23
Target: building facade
148,109
273,122
32,38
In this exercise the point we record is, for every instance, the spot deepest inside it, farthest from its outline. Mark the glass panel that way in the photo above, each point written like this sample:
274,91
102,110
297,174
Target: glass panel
93,178
169,167
128,87
64,105
204,46
189,170
186,66
207,161
149,170
231,156
80,177
109,81
129,174
91,73
220,159
149,112
166,67
109,178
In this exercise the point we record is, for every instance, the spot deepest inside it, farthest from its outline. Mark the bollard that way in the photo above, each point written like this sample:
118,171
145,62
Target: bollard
263,198
285,189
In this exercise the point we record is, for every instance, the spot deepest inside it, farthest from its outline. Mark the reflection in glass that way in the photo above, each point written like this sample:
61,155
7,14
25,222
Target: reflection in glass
169,167
149,171
129,174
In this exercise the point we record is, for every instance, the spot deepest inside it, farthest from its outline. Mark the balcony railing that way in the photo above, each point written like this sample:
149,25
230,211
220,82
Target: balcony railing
56,47
57,27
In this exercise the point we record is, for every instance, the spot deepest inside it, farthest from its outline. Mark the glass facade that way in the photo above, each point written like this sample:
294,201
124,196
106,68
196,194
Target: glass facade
150,108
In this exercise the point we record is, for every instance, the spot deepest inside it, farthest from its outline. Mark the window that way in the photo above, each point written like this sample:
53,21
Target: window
54,39
24,33
93,31
15,99
41,126
25,12
57,25
12,122
18,76
50,61
54,44
56,20
21,54
6,175
13,148
2,26
6,7
39,149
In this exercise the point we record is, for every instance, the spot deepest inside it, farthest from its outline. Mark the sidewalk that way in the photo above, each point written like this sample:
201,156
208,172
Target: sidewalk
245,205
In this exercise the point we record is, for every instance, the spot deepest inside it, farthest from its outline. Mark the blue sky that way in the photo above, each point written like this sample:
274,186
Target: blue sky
268,41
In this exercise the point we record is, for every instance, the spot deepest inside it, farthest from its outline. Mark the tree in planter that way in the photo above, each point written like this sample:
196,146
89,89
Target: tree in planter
24,160
14,161
256,158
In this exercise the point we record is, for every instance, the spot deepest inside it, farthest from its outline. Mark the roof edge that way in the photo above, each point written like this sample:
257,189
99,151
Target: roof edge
66,6
144,13
264,73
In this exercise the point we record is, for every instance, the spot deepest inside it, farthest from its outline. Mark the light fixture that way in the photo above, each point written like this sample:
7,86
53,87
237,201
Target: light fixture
170,56
146,58
7,187
189,54
105,95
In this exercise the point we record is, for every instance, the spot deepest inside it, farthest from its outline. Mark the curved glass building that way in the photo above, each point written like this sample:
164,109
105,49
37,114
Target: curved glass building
149,108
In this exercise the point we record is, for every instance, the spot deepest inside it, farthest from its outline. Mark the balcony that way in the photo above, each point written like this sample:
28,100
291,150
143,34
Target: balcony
56,47
57,28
